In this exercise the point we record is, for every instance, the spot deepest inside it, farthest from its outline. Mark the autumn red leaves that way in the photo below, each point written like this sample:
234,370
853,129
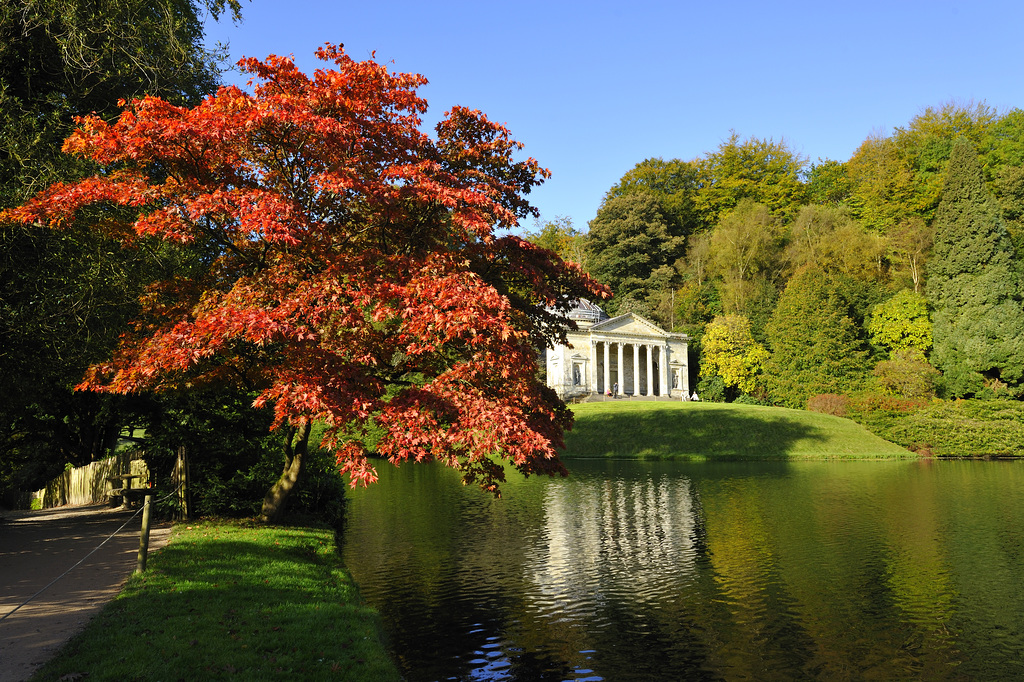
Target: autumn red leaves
325,251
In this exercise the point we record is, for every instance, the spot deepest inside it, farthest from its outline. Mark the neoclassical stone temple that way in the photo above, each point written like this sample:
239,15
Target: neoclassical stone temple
626,355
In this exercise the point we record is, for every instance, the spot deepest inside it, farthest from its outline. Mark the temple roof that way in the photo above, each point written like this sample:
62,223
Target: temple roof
585,311
630,323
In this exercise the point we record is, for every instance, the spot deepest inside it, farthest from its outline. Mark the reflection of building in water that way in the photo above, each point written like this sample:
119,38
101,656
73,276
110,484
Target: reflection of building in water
627,355
629,540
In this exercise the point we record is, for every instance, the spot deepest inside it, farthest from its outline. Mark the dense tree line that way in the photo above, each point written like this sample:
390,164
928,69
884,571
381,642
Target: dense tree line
894,272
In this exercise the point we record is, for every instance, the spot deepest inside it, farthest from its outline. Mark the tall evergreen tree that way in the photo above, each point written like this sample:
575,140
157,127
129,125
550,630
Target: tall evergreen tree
816,345
974,285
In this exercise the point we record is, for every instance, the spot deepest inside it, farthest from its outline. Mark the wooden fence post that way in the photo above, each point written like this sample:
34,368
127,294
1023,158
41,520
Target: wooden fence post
144,535
181,483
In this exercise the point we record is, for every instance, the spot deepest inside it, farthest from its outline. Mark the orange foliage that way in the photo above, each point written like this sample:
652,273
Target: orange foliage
353,271
828,403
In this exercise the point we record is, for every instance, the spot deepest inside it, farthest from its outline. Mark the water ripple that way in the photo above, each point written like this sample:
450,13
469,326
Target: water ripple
637,571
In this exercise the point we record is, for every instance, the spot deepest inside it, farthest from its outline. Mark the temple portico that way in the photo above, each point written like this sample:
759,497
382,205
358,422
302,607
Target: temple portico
626,355
635,367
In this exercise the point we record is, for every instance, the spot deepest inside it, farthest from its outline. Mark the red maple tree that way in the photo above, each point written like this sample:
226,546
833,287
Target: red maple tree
354,272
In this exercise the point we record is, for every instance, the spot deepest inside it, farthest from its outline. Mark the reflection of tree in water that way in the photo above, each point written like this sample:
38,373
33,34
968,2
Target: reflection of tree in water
669,570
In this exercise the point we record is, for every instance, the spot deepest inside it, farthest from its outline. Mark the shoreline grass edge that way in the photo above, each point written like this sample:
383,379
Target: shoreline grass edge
699,431
231,599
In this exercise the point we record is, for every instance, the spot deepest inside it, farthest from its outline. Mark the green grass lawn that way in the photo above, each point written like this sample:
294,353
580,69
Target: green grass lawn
718,431
229,600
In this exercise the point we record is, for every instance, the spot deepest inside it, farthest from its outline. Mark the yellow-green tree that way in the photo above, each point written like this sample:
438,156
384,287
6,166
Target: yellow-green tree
909,246
906,374
728,350
763,171
830,239
559,235
895,177
746,252
902,323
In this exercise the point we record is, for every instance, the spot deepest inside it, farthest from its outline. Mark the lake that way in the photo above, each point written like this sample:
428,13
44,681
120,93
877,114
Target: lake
633,570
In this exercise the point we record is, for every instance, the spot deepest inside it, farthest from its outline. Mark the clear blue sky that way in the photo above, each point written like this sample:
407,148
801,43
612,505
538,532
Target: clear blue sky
592,88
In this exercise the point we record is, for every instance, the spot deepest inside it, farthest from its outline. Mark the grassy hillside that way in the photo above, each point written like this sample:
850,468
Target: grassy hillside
706,431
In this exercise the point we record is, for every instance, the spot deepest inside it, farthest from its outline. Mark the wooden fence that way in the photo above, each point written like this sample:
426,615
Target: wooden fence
88,484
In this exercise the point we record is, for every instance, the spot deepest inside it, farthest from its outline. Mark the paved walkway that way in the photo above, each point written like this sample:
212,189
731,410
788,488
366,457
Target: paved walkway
35,548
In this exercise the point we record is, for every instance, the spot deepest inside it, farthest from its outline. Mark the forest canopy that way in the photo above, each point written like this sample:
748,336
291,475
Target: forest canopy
890,238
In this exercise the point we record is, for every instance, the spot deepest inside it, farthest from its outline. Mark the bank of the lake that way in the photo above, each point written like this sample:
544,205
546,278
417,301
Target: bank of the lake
698,431
233,600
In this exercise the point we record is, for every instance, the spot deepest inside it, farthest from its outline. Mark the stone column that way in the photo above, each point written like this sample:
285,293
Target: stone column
620,376
636,369
607,369
592,378
666,387
684,378
650,370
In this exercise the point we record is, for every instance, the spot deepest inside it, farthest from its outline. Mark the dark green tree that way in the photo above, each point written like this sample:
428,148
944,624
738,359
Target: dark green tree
828,183
816,346
65,296
1003,161
65,58
974,285
630,240
673,182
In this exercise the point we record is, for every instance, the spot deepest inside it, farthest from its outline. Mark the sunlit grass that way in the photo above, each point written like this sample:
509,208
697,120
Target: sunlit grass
233,600
717,431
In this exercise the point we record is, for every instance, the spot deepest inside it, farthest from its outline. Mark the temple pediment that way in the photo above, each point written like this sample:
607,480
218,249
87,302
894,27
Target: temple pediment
630,323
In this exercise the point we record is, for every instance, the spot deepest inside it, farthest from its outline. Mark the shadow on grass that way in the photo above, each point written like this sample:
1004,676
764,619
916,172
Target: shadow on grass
704,434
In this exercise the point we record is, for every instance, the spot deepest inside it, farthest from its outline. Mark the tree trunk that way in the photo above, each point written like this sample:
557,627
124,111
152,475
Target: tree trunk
295,459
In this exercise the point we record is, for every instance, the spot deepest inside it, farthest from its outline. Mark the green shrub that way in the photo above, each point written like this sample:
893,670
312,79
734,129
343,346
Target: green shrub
907,375
962,428
712,389
880,402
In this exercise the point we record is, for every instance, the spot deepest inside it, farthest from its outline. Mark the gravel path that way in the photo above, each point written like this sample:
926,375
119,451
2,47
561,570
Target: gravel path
35,548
